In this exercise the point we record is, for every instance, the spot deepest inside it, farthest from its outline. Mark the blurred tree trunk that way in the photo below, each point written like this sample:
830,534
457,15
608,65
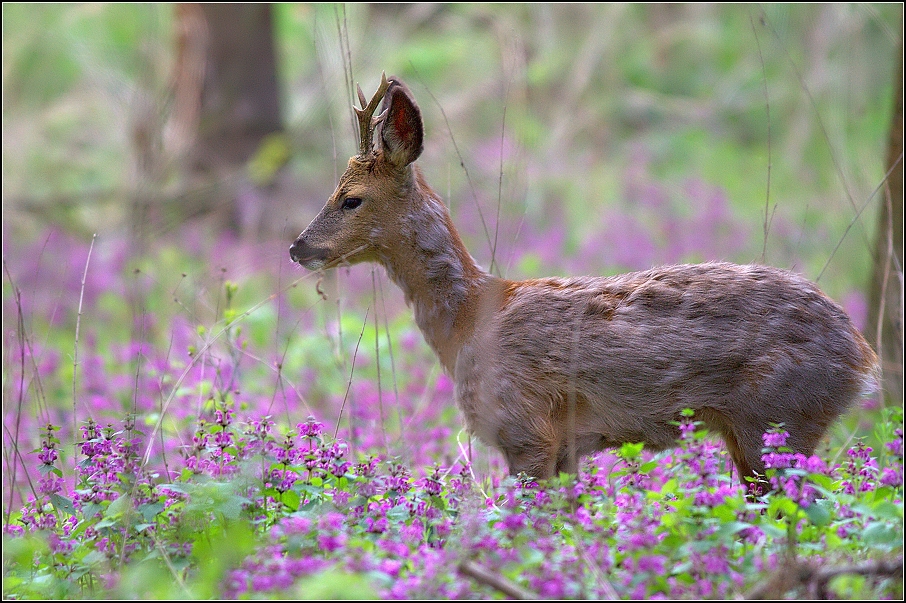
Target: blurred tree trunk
885,305
226,103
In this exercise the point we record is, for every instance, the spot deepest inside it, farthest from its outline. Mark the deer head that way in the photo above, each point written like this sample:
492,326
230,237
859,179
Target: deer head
364,214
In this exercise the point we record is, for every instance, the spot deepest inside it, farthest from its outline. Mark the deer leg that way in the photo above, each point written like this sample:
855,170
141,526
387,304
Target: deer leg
567,463
532,463
743,467
528,452
745,460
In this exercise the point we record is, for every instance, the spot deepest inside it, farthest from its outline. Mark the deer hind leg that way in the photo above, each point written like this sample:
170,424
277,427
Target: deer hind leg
744,447
804,436
744,467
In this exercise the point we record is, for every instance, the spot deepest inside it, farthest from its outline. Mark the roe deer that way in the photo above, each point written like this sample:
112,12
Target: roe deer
548,370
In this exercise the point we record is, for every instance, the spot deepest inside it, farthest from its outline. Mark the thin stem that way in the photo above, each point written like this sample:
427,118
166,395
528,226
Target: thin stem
377,361
499,196
883,182
462,164
75,358
351,372
768,213
396,393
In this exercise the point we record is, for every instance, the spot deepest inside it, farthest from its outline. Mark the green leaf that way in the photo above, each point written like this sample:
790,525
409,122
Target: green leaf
333,584
149,511
882,534
683,567
674,541
119,506
782,505
398,513
22,551
79,572
888,510
648,467
630,451
819,513
218,551
825,483
78,530
772,530
832,540
291,499
180,488
94,558
232,506
732,527
89,510
61,503
670,487
45,469
310,507
312,491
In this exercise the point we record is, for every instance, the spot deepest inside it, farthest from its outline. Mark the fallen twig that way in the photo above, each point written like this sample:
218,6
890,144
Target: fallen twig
813,581
495,581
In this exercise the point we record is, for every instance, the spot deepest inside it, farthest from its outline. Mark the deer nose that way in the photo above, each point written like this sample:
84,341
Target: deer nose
297,250
306,255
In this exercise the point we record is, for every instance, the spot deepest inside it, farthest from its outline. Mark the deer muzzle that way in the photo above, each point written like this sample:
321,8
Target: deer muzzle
313,258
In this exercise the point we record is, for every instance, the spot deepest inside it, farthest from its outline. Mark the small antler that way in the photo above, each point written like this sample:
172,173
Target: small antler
367,123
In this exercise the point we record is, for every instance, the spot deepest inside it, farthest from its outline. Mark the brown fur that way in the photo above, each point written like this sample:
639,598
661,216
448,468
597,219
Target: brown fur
620,357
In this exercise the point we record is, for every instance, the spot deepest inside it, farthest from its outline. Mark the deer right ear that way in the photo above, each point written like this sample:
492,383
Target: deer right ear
402,131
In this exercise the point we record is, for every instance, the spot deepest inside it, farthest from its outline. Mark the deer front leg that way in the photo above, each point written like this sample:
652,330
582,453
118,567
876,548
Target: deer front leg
530,449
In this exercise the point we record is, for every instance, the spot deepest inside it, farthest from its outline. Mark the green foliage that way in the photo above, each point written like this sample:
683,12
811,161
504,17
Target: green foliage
258,514
272,155
776,105
333,585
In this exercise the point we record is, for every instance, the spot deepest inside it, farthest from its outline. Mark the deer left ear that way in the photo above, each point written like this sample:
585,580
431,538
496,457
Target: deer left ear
402,131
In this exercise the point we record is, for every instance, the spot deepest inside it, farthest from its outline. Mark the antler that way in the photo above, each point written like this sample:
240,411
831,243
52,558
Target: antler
367,123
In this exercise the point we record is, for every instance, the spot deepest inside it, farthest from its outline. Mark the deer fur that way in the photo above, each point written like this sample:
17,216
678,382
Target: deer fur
548,370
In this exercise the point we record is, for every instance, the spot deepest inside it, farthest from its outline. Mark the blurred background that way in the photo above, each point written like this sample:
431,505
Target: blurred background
197,141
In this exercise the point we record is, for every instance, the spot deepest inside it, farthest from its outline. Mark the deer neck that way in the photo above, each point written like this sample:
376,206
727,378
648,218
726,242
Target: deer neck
439,279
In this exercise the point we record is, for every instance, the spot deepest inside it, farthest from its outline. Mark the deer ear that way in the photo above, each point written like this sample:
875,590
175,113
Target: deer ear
402,132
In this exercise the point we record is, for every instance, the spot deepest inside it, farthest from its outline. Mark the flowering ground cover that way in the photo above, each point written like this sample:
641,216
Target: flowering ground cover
254,513
215,439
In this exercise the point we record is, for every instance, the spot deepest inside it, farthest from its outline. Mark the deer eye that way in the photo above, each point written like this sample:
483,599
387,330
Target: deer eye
350,203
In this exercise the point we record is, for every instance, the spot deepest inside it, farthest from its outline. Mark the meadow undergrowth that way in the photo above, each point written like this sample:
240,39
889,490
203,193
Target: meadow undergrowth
171,461
257,510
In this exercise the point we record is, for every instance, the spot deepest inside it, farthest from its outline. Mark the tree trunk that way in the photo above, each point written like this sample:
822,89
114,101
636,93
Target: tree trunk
226,102
885,310
240,102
